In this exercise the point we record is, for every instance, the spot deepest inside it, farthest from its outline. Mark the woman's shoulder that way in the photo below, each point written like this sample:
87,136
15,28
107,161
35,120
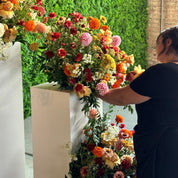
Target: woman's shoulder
163,66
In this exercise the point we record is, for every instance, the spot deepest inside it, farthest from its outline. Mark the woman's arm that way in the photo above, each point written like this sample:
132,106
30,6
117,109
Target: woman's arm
123,96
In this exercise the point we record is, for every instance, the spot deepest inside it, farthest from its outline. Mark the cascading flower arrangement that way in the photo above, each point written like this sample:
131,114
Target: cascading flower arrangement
83,56
107,150
17,18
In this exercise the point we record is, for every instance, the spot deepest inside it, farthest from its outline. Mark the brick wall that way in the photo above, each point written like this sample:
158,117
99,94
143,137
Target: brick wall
162,14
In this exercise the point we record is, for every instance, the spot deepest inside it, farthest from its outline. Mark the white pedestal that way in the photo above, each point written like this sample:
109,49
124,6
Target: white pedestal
56,121
12,151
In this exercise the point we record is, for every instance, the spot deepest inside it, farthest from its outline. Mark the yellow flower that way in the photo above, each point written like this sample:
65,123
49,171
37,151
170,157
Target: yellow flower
108,62
87,91
34,46
103,19
138,70
10,35
6,14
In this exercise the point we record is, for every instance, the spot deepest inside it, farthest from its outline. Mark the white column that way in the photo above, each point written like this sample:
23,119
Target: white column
56,121
12,151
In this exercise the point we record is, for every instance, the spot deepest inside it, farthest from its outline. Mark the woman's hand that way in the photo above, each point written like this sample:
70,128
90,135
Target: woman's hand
130,76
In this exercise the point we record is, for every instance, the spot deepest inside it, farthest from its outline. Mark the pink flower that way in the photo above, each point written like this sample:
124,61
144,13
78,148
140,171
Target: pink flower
118,145
119,174
102,88
93,113
41,28
83,171
52,15
116,40
85,39
41,10
61,53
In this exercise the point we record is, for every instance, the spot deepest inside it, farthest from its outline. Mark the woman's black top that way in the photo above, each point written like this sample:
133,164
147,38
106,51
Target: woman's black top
156,134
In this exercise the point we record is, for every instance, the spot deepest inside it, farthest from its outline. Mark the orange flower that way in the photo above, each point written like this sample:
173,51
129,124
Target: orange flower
30,25
120,68
94,24
14,2
119,119
124,133
104,27
67,71
116,84
98,151
107,77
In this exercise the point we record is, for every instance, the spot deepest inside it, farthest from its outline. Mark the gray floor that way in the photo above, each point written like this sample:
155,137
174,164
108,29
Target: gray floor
129,121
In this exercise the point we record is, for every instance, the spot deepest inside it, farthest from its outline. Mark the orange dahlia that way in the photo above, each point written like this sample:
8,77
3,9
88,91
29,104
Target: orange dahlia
120,68
119,119
98,151
30,25
94,24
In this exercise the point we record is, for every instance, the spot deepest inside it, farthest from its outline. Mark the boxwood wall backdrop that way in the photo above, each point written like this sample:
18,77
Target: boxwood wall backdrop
126,18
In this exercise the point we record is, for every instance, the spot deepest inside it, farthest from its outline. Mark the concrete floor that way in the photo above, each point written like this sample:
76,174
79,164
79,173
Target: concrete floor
129,121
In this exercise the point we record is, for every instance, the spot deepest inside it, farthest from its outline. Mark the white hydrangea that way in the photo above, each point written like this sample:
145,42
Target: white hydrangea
3,50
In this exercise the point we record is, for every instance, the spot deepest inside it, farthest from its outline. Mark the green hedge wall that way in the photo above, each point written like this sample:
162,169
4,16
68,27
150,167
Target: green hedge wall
126,18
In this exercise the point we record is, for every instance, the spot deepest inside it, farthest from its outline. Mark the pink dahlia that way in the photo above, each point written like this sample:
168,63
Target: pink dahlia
102,88
41,28
116,40
85,39
119,174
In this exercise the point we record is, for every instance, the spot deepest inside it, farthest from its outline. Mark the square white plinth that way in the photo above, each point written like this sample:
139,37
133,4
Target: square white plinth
56,121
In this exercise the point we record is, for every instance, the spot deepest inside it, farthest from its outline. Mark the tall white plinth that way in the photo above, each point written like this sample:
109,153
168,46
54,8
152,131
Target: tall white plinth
12,151
57,120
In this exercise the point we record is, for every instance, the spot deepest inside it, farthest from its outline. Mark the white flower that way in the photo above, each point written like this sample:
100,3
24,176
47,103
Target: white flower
2,30
87,59
112,80
112,132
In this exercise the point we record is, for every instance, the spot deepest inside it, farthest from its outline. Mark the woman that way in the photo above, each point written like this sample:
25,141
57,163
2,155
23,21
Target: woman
155,93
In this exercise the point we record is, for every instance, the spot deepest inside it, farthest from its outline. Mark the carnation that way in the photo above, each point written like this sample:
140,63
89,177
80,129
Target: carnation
116,40
85,39
102,88
119,174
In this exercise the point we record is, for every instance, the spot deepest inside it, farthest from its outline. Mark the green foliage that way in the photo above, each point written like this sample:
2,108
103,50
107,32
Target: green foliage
126,18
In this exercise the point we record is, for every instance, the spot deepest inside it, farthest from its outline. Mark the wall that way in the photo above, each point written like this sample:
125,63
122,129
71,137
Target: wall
162,14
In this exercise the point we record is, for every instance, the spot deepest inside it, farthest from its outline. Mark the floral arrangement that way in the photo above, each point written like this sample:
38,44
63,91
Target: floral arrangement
107,150
17,18
83,56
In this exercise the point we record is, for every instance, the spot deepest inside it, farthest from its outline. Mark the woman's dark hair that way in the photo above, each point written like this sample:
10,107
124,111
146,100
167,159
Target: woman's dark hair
171,33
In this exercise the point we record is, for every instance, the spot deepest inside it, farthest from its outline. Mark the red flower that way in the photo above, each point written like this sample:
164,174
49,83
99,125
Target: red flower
125,164
21,23
100,172
35,7
83,25
73,31
63,44
55,35
122,126
83,171
68,24
79,57
61,53
112,124
73,45
50,54
52,15
78,87
90,146
41,10
39,2
88,75
72,81
99,161
45,19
